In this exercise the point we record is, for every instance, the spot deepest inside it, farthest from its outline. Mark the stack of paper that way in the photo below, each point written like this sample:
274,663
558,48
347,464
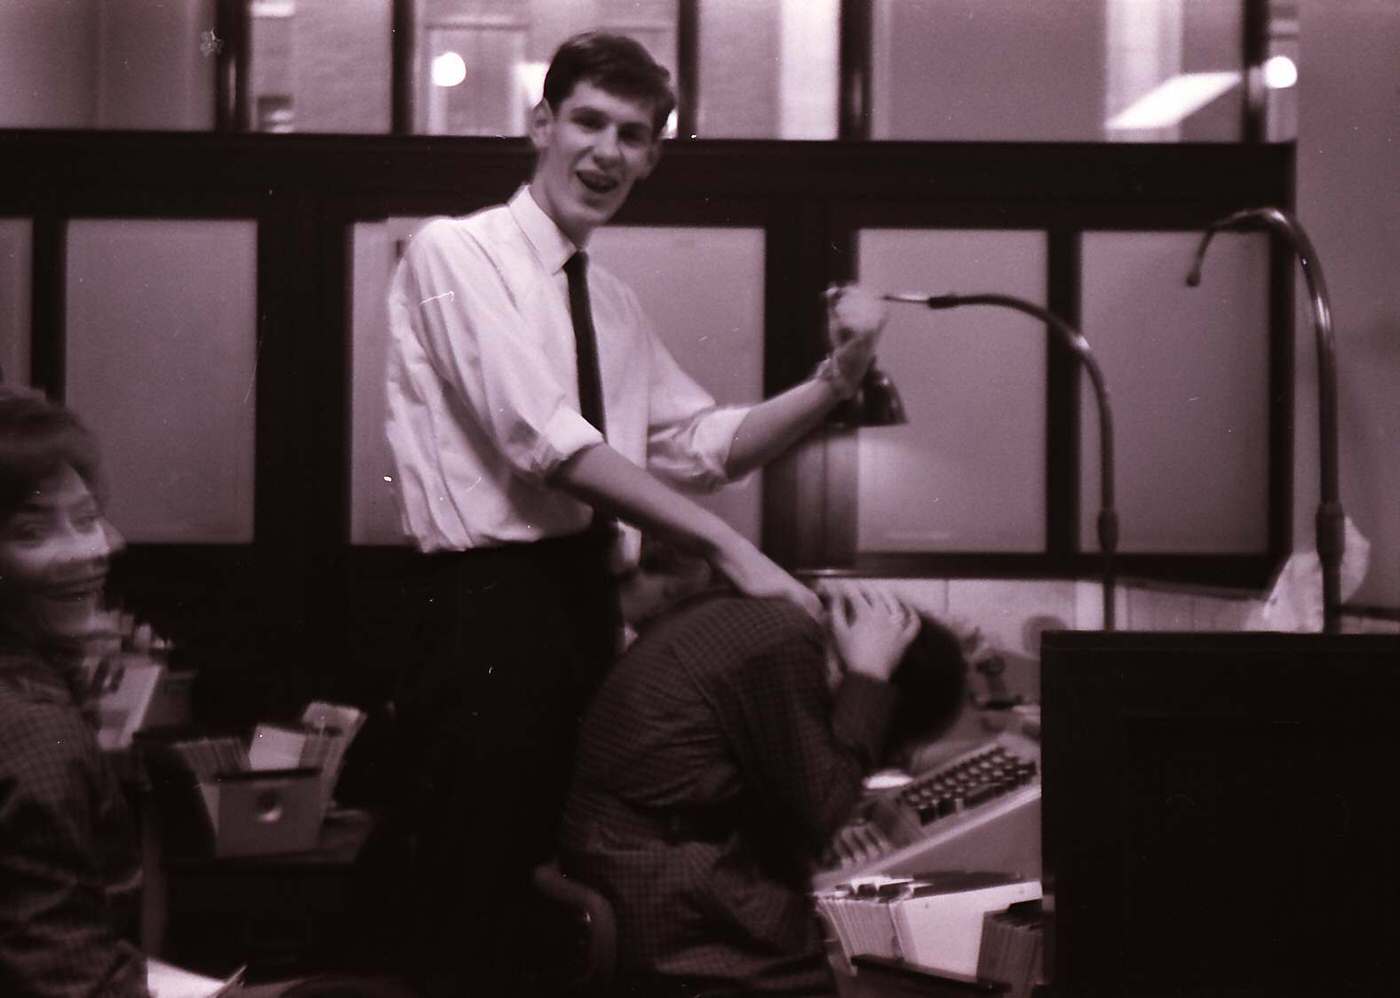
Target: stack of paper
332,727
276,747
933,922
126,685
1013,948
164,980
861,916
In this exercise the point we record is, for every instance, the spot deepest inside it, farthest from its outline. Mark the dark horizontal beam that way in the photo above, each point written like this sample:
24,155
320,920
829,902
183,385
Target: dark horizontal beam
401,173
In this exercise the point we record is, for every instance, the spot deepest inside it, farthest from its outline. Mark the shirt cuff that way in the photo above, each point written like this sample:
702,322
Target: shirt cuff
713,440
563,436
862,713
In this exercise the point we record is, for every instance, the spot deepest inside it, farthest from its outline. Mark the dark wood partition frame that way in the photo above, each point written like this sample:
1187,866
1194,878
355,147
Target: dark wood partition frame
315,597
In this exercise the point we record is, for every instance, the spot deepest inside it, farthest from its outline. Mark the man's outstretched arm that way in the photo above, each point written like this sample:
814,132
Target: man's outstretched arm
855,318
603,478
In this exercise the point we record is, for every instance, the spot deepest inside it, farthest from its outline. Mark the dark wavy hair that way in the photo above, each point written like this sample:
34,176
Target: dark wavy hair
931,680
37,439
615,63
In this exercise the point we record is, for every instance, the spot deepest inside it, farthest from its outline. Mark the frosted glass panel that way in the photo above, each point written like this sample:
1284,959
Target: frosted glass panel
161,352
703,291
374,510
967,473
491,99
703,288
16,265
320,65
1187,369
129,64
768,70
1072,70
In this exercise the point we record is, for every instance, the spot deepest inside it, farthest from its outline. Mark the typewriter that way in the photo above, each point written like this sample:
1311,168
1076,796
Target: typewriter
976,808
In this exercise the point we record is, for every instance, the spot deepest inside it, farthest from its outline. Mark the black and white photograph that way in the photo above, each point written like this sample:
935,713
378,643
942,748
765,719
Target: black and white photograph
699,498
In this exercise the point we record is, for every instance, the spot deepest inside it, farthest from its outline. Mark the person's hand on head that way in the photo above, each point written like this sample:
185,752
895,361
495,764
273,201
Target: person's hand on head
855,318
871,629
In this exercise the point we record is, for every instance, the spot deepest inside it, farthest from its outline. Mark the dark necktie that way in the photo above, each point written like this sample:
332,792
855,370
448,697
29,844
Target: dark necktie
590,406
590,382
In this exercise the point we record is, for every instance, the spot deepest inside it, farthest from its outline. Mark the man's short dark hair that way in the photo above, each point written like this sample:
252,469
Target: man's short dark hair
37,439
615,63
931,680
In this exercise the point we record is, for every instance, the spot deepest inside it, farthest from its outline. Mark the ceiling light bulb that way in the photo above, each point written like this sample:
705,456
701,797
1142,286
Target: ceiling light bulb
1280,73
449,70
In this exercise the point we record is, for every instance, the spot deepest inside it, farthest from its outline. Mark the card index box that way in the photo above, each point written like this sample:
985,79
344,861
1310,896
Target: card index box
942,931
263,812
932,922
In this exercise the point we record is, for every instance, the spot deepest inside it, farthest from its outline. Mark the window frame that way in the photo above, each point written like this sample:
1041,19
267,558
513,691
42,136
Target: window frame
301,576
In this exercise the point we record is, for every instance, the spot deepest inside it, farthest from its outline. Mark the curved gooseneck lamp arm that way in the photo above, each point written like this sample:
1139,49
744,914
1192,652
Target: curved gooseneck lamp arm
1330,520
1108,516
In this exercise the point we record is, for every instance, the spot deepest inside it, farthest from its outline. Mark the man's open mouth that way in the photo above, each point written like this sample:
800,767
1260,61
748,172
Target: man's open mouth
598,183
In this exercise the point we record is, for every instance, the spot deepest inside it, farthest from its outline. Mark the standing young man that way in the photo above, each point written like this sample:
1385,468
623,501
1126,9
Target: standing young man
530,403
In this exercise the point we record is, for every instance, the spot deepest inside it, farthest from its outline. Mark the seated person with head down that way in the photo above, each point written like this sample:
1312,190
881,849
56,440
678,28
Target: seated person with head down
716,762
69,863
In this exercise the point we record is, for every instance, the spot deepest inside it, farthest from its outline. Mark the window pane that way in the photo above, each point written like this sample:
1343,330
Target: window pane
703,289
967,472
481,63
374,510
1075,70
16,266
768,70
320,65
161,337
115,64
1280,73
1187,371
477,84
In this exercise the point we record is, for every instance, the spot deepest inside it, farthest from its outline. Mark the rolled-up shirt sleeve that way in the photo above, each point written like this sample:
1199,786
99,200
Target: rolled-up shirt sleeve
688,435
449,297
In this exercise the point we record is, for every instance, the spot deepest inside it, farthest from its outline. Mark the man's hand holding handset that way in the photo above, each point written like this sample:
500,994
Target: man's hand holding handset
854,319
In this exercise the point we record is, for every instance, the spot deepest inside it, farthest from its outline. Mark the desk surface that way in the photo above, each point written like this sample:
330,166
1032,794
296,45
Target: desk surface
281,914
342,837
879,978
385,987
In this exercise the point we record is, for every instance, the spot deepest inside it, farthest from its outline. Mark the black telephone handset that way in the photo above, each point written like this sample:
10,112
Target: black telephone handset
998,697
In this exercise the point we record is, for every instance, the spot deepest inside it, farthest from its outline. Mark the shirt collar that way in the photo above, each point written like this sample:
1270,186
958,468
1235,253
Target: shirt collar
550,244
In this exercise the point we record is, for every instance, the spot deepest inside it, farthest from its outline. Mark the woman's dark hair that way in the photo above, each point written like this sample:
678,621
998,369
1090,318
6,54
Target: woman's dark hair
37,439
931,680
615,63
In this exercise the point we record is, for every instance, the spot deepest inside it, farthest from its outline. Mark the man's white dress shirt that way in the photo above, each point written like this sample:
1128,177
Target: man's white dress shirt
483,394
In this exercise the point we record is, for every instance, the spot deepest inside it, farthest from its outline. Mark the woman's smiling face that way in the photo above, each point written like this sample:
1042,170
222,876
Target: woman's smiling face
54,550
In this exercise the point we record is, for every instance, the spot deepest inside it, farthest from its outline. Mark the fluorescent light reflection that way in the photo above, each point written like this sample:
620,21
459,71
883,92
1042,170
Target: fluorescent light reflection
1173,101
